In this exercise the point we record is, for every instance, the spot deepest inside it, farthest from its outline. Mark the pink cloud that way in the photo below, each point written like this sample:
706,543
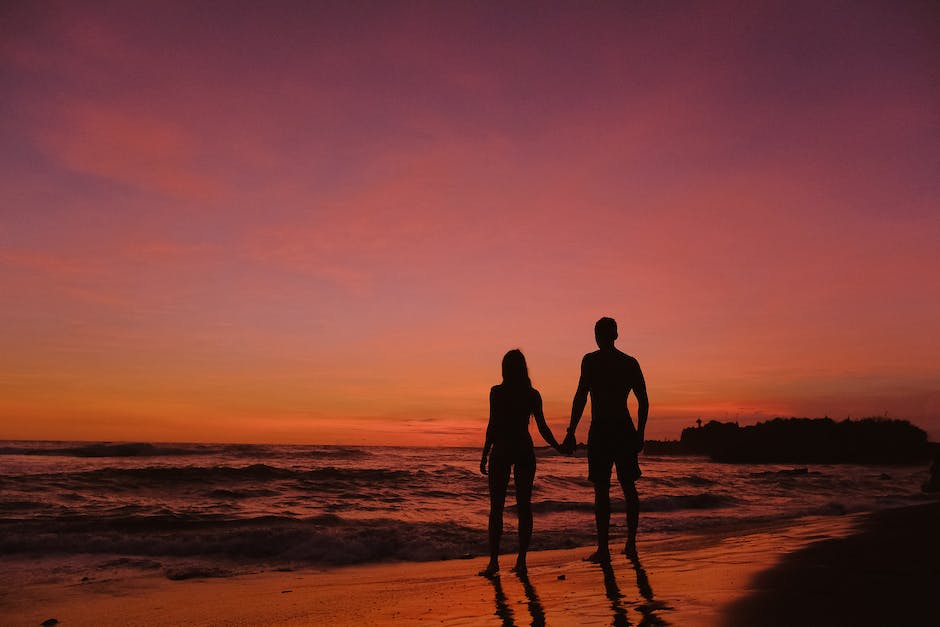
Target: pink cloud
131,149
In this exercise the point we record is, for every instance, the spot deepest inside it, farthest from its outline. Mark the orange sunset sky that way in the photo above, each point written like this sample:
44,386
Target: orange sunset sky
326,222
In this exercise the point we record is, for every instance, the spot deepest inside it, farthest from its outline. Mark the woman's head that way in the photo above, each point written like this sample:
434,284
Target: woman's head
515,371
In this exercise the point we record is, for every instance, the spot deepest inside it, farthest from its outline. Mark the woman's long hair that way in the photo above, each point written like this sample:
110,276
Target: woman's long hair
515,370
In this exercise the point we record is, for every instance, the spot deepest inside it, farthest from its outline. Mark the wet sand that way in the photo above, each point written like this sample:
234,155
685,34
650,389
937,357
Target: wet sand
888,573
685,580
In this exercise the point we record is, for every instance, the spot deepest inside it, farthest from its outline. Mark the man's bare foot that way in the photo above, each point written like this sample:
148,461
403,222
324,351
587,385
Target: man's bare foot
520,568
630,550
490,571
601,556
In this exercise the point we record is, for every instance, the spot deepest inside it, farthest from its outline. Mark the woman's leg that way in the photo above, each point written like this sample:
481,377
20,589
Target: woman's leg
525,477
499,482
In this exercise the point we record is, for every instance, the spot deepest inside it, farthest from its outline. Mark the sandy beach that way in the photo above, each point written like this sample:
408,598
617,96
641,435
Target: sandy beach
732,578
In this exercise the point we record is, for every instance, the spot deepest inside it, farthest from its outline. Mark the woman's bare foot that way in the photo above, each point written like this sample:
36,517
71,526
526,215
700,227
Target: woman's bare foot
600,556
490,571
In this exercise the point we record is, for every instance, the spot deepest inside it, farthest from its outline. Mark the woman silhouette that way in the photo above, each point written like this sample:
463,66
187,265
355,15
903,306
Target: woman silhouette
507,434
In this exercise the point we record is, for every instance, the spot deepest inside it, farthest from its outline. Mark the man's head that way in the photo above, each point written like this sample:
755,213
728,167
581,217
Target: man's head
605,332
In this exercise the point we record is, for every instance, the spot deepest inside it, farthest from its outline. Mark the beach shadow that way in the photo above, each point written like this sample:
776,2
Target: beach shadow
532,601
502,603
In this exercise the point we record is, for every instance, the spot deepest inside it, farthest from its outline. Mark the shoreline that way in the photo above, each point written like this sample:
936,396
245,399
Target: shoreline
685,579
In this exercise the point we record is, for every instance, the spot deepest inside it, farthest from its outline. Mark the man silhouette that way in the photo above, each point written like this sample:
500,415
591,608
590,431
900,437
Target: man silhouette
609,375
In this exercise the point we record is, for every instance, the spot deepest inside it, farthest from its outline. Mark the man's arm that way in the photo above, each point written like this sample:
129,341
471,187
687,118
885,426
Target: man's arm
643,410
577,406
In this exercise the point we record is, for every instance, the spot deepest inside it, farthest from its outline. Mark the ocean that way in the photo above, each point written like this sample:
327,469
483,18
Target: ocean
265,506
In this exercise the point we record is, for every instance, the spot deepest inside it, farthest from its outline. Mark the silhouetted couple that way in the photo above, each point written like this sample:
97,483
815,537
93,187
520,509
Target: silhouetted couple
608,376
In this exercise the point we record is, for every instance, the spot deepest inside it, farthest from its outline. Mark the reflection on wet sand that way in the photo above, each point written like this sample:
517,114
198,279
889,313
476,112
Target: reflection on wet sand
534,605
532,601
613,593
502,606
627,606
648,610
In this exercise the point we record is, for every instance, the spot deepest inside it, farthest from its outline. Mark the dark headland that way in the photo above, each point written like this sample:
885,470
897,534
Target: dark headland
803,441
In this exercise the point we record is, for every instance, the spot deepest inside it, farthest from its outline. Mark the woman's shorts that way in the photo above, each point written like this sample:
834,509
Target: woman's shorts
520,463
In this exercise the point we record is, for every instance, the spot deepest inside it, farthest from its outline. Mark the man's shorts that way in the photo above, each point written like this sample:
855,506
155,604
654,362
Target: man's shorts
609,447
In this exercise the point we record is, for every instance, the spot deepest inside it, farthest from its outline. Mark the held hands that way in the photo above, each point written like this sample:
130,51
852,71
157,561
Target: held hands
483,465
569,445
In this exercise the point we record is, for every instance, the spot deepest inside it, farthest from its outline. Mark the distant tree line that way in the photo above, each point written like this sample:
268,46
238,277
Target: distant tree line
803,441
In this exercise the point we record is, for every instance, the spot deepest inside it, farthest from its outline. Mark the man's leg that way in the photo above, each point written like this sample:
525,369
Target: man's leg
600,465
632,500
628,471
602,519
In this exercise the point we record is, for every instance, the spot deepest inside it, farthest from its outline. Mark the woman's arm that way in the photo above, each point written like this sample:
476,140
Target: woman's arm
489,437
542,425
